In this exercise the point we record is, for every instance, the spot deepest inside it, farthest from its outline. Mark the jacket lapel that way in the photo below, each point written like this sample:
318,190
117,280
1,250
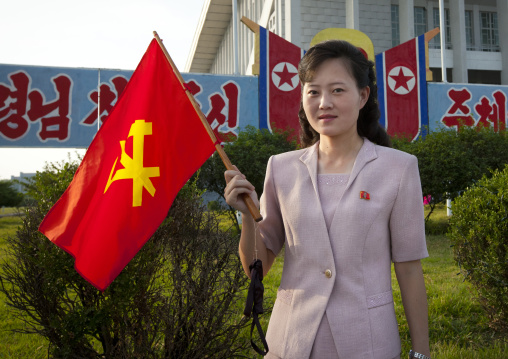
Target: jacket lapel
366,154
310,159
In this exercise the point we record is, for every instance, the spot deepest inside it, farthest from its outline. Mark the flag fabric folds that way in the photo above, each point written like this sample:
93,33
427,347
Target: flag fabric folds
402,88
279,85
149,146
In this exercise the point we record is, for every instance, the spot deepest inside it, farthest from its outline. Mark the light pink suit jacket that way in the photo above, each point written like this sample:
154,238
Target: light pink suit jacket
364,237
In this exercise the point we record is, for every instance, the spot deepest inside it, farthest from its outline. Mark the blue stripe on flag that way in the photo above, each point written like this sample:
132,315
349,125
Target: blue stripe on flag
263,78
380,76
422,83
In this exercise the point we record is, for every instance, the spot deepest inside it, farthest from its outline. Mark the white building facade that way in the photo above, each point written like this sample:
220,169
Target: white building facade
23,177
475,52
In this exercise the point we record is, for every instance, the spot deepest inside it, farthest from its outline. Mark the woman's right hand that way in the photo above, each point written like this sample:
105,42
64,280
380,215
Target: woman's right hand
236,185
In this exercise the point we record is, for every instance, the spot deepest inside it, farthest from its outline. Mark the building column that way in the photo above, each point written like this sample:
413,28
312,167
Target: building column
280,18
236,55
264,16
352,14
293,28
458,35
406,20
502,22
430,14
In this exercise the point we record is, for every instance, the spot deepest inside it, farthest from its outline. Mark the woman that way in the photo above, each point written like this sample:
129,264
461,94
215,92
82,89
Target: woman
344,208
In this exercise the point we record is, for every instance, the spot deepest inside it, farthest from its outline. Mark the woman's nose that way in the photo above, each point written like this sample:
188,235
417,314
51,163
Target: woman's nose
325,102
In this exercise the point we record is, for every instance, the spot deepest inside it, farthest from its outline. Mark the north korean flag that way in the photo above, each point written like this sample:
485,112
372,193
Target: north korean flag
279,86
402,88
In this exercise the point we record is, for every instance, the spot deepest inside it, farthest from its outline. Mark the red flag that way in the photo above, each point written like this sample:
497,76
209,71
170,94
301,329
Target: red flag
279,85
150,145
365,195
402,88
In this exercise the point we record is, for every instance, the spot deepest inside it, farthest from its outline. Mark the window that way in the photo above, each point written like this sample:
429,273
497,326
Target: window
272,23
420,14
435,43
469,30
488,31
395,26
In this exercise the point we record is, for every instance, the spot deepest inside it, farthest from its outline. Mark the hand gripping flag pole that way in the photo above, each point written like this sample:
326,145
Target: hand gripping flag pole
246,198
254,302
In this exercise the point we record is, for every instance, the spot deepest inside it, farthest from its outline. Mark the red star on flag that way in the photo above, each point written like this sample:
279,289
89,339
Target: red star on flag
401,80
285,76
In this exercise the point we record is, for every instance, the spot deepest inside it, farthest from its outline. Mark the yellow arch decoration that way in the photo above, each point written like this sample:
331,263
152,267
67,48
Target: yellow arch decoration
355,37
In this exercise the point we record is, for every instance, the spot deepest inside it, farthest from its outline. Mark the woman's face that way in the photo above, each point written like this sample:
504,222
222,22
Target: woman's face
332,100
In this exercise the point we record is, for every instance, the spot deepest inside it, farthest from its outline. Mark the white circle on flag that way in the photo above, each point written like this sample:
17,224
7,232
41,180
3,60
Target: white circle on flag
285,76
401,80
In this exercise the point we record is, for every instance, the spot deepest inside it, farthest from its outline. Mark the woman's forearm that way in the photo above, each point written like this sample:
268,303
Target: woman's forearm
414,300
252,246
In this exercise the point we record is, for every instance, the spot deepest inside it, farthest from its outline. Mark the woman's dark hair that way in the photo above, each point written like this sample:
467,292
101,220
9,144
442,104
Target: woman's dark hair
363,72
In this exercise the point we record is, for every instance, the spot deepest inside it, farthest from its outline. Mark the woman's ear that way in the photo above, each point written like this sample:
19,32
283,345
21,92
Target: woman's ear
364,96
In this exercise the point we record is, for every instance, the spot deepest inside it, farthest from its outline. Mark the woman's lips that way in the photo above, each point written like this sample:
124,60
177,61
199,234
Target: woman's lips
326,117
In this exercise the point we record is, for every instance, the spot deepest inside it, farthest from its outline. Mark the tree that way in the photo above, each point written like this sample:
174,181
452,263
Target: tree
9,196
250,153
177,298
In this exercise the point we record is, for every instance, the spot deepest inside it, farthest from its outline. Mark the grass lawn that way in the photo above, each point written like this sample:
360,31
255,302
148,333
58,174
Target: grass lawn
10,210
458,326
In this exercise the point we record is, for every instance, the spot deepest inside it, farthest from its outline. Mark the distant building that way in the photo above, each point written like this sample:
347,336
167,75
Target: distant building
23,178
475,53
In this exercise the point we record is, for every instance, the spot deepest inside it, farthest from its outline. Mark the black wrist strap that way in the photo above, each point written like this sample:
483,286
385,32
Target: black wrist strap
254,303
255,321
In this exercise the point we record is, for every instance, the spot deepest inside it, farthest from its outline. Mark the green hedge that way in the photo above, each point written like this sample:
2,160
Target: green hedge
451,161
479,233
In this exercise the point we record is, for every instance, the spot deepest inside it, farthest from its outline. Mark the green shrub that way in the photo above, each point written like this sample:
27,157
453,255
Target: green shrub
177,298
451,161
214,206
479,234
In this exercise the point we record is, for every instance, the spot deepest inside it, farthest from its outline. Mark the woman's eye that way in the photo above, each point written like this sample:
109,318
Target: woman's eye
337,90
312,92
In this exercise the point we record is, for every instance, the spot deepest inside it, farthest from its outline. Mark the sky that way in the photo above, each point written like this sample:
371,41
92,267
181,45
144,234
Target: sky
111,34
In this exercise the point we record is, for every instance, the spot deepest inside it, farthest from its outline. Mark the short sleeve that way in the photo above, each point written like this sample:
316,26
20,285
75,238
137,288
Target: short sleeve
272,226
407,222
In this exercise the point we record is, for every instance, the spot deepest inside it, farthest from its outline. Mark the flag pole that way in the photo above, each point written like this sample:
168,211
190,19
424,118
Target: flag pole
246,198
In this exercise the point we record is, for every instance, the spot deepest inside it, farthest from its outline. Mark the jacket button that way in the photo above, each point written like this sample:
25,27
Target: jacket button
328,273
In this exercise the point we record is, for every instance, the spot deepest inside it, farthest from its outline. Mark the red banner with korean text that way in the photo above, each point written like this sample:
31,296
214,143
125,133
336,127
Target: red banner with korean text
131,173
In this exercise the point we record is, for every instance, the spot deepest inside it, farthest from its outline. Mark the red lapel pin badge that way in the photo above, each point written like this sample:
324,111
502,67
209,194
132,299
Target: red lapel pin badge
364,195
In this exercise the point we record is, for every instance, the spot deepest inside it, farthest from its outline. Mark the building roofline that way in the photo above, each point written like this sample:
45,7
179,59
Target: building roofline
213,23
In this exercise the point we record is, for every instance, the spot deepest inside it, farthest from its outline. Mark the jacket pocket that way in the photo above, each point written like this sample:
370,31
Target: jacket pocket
276,333
379,299
383,325
285,296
